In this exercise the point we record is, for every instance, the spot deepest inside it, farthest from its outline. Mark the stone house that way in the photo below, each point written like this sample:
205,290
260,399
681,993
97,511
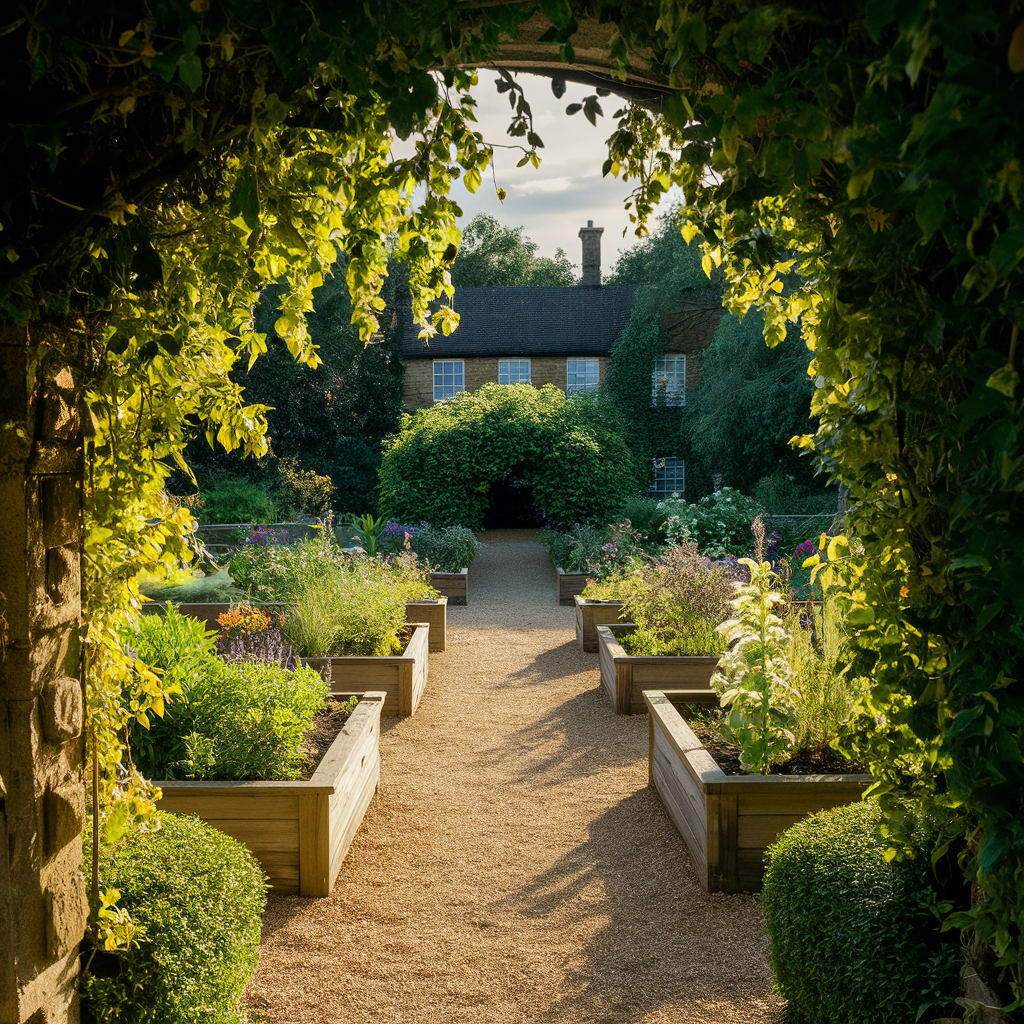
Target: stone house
560,336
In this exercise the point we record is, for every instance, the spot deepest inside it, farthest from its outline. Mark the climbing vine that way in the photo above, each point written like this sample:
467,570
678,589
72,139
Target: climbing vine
861,174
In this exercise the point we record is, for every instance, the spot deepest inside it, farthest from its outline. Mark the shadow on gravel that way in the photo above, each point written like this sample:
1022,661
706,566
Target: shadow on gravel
578,738
657,938
550,665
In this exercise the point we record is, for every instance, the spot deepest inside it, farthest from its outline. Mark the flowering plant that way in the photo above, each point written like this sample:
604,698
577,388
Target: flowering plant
242,620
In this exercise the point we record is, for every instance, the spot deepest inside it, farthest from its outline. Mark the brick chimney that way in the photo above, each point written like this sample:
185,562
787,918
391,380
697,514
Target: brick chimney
591,255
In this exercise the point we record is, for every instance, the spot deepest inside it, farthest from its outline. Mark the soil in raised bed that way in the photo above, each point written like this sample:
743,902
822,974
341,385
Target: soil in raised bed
322,733
821,761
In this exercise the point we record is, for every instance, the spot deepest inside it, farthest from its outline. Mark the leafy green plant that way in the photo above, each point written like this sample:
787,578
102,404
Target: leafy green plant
238,501
575,549
368,532
358,608
677,601
754,677
854,937
197,897
276,572
304,491
441,466
446,548
245,720
719,524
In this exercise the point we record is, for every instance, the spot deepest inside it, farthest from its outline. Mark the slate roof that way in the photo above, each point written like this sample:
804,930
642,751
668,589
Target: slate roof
528,321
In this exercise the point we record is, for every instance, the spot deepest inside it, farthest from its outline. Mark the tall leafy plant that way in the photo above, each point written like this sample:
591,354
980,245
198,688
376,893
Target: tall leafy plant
754,678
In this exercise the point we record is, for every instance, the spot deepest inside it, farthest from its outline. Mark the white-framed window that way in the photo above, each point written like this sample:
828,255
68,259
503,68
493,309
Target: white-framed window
513,371
581,375
669,477
668,381
449,378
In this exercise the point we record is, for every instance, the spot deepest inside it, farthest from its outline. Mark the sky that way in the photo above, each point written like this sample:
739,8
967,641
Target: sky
554,201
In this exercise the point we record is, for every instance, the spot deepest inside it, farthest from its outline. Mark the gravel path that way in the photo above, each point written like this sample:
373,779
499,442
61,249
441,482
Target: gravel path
514,867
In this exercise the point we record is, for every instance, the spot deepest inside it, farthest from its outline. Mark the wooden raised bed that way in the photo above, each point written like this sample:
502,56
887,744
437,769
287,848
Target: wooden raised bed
570,584
728,821
453,585
590,615
434,613
402,677
299,831
625,677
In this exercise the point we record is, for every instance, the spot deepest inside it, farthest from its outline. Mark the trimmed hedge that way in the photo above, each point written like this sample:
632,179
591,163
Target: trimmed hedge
199,895
853,938
441,466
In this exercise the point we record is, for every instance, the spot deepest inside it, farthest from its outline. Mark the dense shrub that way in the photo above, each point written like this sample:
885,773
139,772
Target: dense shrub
719,524
244,720
238,501
445,548
441,466
198,894
853,937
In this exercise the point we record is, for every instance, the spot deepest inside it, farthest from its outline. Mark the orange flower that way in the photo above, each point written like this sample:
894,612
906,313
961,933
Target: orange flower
904,592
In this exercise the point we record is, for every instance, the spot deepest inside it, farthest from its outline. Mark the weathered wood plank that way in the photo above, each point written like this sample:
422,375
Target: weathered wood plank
453,585
435,614
239,805
315,844
590,615
570,584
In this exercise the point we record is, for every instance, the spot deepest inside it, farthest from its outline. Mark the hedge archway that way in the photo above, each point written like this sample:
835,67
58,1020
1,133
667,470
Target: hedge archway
442,464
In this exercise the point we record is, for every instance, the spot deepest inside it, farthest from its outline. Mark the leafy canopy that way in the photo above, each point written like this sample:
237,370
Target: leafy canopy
493,254
441,466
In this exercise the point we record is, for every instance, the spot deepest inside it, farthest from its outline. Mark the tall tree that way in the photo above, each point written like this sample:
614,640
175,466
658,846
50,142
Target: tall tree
493,254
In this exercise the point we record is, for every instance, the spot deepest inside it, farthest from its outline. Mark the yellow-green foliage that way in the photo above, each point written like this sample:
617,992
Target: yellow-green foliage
355,608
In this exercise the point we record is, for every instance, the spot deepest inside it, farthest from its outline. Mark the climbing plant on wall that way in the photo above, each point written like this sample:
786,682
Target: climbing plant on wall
440,467
860,171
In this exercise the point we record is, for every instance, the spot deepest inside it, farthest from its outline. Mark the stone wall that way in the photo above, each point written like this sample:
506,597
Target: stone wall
43,906
419,376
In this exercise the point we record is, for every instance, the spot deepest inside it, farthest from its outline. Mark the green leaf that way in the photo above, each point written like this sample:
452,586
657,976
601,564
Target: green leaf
245,200
558,12
471,179
190,71
1005,380
969,562
1008,249
931,208
878,14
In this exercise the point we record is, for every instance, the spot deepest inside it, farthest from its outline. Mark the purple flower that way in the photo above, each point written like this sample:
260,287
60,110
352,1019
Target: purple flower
804,550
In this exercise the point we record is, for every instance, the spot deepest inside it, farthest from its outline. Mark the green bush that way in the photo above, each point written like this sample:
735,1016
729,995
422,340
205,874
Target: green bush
445,548
199,895
575,549
245,720
277,572
238,501
677,601
719,524
441,466
853,938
